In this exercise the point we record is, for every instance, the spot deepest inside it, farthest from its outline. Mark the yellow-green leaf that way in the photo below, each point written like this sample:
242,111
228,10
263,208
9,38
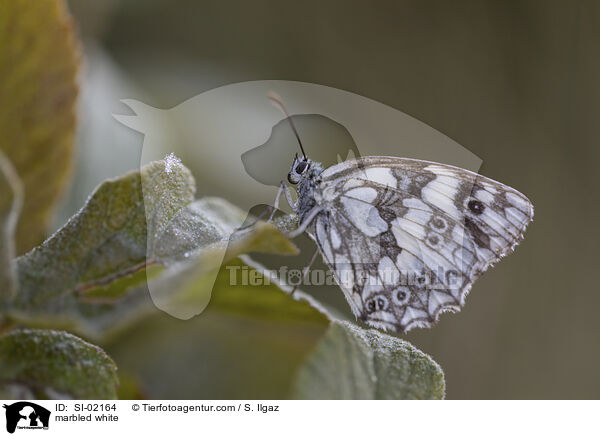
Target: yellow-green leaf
39,57
247,344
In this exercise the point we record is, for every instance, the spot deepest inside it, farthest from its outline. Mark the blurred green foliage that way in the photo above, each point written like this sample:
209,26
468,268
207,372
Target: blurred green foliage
39,59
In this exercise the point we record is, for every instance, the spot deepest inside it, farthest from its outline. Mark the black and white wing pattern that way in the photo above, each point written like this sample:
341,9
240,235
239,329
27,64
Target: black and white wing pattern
406,238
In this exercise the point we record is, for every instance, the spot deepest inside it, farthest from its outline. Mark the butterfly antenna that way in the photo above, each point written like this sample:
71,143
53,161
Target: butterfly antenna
276,100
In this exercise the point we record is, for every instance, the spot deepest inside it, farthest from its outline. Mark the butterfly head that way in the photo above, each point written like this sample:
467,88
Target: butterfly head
300,170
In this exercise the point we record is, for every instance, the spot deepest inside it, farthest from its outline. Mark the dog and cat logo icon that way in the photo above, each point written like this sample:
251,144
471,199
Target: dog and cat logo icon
26,415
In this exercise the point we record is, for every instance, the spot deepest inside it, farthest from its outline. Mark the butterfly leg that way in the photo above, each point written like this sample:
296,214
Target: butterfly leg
306,222
305,271
288,197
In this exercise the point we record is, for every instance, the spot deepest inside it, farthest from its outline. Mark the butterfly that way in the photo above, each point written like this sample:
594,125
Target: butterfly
405,238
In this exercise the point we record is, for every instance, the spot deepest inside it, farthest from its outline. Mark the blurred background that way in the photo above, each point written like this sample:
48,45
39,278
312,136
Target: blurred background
517,83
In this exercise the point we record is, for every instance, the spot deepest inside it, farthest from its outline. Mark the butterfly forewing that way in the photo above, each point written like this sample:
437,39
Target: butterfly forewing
407,238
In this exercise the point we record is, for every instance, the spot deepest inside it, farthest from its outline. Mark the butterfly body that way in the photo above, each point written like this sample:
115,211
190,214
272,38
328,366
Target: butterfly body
406,238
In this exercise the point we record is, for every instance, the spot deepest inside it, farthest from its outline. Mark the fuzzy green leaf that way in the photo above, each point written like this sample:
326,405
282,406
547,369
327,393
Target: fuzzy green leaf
354,363
105,241
39,60
53,364
91,275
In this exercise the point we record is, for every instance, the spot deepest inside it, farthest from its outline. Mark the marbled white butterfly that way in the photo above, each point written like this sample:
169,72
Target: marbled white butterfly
404,238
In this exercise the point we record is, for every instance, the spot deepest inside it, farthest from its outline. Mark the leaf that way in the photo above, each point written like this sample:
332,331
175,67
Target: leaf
104,240
53,364
91,275
247,344
38,66
354,363
11,199
185,288
264,300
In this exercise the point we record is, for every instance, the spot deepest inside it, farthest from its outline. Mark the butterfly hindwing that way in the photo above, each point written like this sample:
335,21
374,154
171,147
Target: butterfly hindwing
406,239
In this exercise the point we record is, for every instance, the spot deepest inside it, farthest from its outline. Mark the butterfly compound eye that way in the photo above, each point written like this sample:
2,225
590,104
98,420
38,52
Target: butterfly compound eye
301,167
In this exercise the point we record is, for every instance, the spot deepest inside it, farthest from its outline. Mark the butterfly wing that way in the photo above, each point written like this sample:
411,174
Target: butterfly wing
406,239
